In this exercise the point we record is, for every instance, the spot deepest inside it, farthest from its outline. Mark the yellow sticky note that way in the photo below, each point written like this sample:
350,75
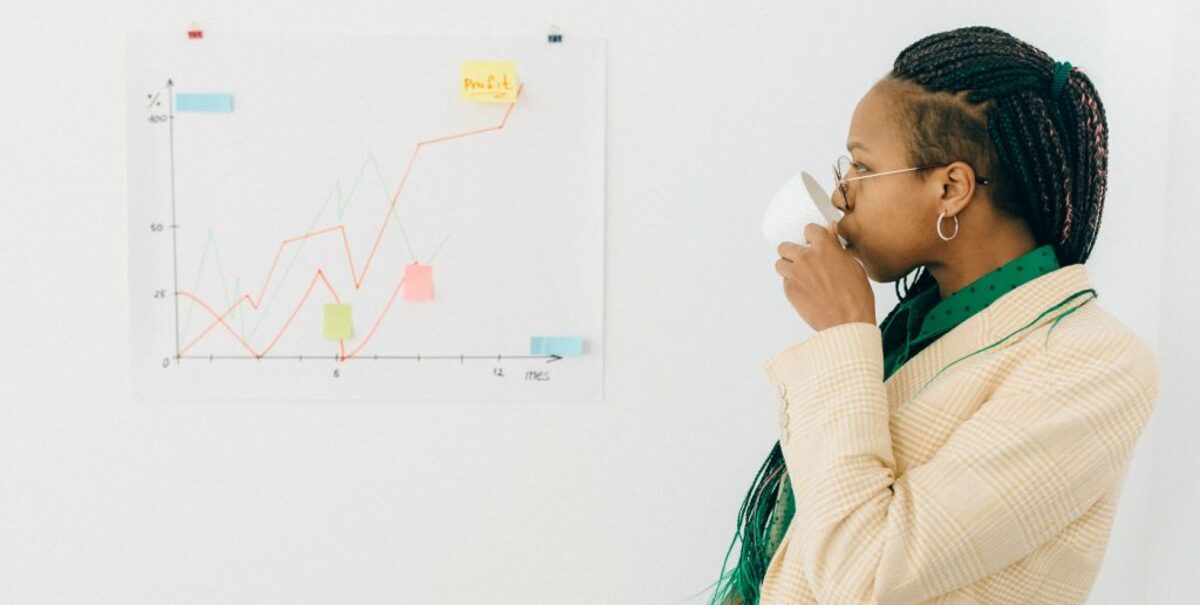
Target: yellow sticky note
337,322
490,81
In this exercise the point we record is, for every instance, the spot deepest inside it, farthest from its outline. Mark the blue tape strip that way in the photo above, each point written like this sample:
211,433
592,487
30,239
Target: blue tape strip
566,346
215,102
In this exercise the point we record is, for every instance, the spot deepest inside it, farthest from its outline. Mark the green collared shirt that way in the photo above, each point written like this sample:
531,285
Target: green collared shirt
923,318
919,321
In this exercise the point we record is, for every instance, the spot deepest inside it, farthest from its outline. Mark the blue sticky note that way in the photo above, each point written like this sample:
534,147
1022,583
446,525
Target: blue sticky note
565,346
195,101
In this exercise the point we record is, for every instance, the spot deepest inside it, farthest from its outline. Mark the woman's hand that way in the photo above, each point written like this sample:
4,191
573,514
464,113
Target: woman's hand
823,282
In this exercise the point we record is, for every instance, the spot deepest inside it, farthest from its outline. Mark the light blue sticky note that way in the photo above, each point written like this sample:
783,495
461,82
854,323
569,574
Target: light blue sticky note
565,346
196,101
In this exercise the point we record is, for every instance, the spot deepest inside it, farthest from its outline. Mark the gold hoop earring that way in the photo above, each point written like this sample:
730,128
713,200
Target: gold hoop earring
939,227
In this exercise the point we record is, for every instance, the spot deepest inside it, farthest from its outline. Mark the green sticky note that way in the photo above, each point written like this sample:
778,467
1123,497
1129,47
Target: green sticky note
337,322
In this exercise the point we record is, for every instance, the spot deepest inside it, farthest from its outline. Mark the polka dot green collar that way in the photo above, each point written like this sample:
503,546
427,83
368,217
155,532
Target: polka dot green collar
981,292
929,317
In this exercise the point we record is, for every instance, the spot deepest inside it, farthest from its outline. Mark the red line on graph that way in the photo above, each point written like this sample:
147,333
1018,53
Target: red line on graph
320,275
219,319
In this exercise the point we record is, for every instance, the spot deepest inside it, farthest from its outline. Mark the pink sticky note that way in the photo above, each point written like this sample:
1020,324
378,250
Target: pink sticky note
418,282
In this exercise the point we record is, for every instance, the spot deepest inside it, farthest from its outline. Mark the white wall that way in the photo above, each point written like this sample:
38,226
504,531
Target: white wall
106,498
1172,538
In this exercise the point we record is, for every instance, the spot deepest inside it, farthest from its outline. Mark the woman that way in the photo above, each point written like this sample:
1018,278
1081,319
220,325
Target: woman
971,448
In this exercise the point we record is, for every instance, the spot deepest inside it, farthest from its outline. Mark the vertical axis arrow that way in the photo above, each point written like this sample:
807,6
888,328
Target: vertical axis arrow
174,225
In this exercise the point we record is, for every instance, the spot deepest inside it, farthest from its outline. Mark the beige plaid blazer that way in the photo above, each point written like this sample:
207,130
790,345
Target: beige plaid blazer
993,481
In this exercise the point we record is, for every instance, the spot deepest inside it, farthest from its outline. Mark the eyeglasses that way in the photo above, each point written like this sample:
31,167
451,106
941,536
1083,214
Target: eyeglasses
843,165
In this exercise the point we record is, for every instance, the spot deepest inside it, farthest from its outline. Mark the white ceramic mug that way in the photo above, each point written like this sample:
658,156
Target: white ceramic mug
800,201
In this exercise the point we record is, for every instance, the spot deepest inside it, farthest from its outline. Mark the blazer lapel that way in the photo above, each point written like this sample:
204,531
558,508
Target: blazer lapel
1017,311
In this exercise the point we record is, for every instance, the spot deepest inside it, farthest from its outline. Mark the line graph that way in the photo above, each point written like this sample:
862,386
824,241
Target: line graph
456,246
219,319
342,199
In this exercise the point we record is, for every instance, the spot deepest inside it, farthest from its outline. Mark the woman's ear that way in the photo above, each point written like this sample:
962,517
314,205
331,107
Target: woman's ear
958,186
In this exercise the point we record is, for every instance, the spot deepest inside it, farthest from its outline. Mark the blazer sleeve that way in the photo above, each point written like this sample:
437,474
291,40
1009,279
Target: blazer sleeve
1008,479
